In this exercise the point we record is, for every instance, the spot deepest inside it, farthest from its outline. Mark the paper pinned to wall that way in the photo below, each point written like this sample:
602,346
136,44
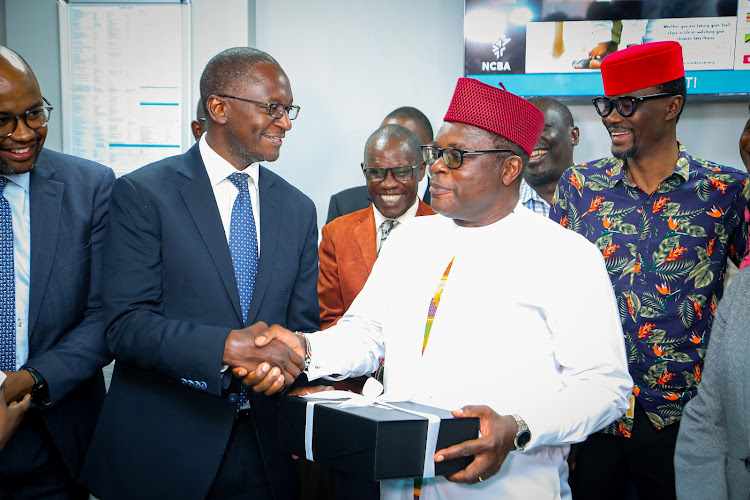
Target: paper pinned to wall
125,72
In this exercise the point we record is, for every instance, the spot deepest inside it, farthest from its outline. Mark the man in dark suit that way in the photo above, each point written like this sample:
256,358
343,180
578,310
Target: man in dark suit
201,245
52,216
357,198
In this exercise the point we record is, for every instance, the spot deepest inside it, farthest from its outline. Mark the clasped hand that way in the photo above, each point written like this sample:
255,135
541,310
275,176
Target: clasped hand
266,358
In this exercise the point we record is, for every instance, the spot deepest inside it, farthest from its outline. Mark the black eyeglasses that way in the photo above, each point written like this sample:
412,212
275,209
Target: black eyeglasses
625,105
453,157
275,110
35,118
401,174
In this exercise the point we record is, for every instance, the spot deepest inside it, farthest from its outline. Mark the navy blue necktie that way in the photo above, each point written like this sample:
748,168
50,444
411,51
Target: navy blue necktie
243,245
7,286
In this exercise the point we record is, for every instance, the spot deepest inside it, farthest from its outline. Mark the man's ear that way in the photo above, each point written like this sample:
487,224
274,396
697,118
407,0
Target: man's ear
195,126
217,108
675,105
512,167
575,134
421,171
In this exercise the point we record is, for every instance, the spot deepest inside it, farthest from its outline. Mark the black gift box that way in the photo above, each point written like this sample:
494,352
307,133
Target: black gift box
372,442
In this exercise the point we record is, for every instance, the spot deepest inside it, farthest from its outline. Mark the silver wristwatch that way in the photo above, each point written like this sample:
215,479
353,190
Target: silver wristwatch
523,436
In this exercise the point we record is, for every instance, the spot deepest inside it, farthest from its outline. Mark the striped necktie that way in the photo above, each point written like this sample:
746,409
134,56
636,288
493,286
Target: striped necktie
385,229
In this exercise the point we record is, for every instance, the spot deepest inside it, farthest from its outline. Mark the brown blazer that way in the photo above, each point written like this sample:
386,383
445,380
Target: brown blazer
347,253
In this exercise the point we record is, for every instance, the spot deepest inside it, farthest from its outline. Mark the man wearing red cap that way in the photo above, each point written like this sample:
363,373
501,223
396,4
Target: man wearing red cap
467,323
665,222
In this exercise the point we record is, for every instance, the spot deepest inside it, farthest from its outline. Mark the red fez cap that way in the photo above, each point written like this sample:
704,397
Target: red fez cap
642,66
496,110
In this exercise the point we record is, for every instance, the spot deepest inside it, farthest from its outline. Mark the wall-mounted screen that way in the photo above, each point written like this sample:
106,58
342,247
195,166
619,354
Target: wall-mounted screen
555,47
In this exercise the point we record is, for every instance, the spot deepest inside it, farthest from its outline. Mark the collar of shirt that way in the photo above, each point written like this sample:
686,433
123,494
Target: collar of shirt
410,213
218,169
21,180
681,169
526,194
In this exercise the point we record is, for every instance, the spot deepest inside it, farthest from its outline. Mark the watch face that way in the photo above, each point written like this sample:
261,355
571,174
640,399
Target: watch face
522,439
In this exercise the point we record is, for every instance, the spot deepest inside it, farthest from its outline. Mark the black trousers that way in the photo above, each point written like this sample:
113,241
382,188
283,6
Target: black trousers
606,466
31,466
347,487
241,473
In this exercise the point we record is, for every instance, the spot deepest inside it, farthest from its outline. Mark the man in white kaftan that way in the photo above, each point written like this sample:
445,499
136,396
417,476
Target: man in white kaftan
552,354
526,326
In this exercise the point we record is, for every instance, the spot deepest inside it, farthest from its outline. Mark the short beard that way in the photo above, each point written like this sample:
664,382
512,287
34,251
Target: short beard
628,153
6,170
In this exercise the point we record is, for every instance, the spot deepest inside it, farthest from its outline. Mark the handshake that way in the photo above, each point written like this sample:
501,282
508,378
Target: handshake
268,359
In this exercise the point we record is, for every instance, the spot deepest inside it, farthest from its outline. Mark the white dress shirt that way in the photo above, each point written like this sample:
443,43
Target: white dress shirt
553,354
17,193
225,192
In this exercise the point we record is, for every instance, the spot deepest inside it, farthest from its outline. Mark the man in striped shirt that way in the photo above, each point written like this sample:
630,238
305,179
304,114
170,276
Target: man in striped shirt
552,155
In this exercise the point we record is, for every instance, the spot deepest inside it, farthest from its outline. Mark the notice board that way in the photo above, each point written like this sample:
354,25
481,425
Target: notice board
125,79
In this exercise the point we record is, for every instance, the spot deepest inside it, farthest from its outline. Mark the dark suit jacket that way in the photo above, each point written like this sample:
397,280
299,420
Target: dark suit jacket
68,203
348,201
347,253
171,300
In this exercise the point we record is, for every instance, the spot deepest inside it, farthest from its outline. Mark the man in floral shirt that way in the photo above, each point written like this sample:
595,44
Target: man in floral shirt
666,223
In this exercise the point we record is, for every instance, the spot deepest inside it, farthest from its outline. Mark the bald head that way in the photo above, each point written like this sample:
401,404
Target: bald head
20,144
14,69
544,103
553,152
414,120
11,60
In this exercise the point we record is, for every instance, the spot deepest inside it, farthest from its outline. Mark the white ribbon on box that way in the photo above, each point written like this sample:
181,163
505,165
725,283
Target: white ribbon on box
372,395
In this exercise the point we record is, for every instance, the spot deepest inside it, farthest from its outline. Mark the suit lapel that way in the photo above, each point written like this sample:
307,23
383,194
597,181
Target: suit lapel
201,203
424,209
45,204
270,225
365,234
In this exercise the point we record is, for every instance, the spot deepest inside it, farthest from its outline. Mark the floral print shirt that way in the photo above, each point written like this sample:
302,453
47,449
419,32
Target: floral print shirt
666,253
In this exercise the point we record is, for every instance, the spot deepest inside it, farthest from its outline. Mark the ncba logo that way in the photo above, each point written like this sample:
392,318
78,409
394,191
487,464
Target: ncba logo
495,66
498,49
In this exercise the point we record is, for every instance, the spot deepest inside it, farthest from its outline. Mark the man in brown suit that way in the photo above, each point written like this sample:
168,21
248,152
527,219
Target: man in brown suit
392,167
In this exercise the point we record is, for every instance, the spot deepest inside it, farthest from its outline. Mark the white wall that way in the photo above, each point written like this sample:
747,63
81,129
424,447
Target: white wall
213,33
350,63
